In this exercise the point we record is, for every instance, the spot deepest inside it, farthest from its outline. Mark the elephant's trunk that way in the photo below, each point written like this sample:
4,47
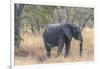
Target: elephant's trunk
81,44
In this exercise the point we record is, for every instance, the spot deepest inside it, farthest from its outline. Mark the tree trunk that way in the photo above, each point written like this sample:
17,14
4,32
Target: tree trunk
18,8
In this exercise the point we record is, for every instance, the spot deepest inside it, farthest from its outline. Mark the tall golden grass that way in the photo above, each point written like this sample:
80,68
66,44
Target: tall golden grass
32,50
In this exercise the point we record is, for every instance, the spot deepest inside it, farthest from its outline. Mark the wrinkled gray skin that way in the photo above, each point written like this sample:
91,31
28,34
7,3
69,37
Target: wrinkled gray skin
56,35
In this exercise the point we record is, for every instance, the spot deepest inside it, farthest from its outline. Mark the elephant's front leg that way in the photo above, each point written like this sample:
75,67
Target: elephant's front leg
60,46
59,50
67,48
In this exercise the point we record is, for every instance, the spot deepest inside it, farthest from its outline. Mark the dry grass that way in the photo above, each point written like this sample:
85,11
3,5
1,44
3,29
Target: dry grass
32,50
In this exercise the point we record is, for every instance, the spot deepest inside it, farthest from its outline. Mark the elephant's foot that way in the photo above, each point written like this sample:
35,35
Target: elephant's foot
66,55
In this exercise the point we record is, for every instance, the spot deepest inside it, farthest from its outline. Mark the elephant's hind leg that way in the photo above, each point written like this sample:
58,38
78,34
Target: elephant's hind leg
48,49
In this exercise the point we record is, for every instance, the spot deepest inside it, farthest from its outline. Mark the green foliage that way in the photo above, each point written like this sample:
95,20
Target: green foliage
37,16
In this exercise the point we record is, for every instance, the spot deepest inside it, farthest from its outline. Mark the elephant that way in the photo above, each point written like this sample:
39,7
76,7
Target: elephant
60,35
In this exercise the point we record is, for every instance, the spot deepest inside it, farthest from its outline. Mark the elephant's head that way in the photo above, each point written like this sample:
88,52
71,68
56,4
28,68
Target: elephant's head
78,36
75,32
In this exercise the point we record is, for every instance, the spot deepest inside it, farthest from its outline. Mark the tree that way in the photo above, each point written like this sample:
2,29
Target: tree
18,8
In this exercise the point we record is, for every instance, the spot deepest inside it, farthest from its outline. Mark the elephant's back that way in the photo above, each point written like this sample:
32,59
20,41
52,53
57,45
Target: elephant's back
51,33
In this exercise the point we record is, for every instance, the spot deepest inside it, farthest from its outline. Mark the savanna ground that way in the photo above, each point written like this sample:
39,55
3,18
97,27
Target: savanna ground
32,50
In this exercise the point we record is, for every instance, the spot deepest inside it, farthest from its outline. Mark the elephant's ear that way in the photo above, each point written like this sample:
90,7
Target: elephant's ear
68,33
